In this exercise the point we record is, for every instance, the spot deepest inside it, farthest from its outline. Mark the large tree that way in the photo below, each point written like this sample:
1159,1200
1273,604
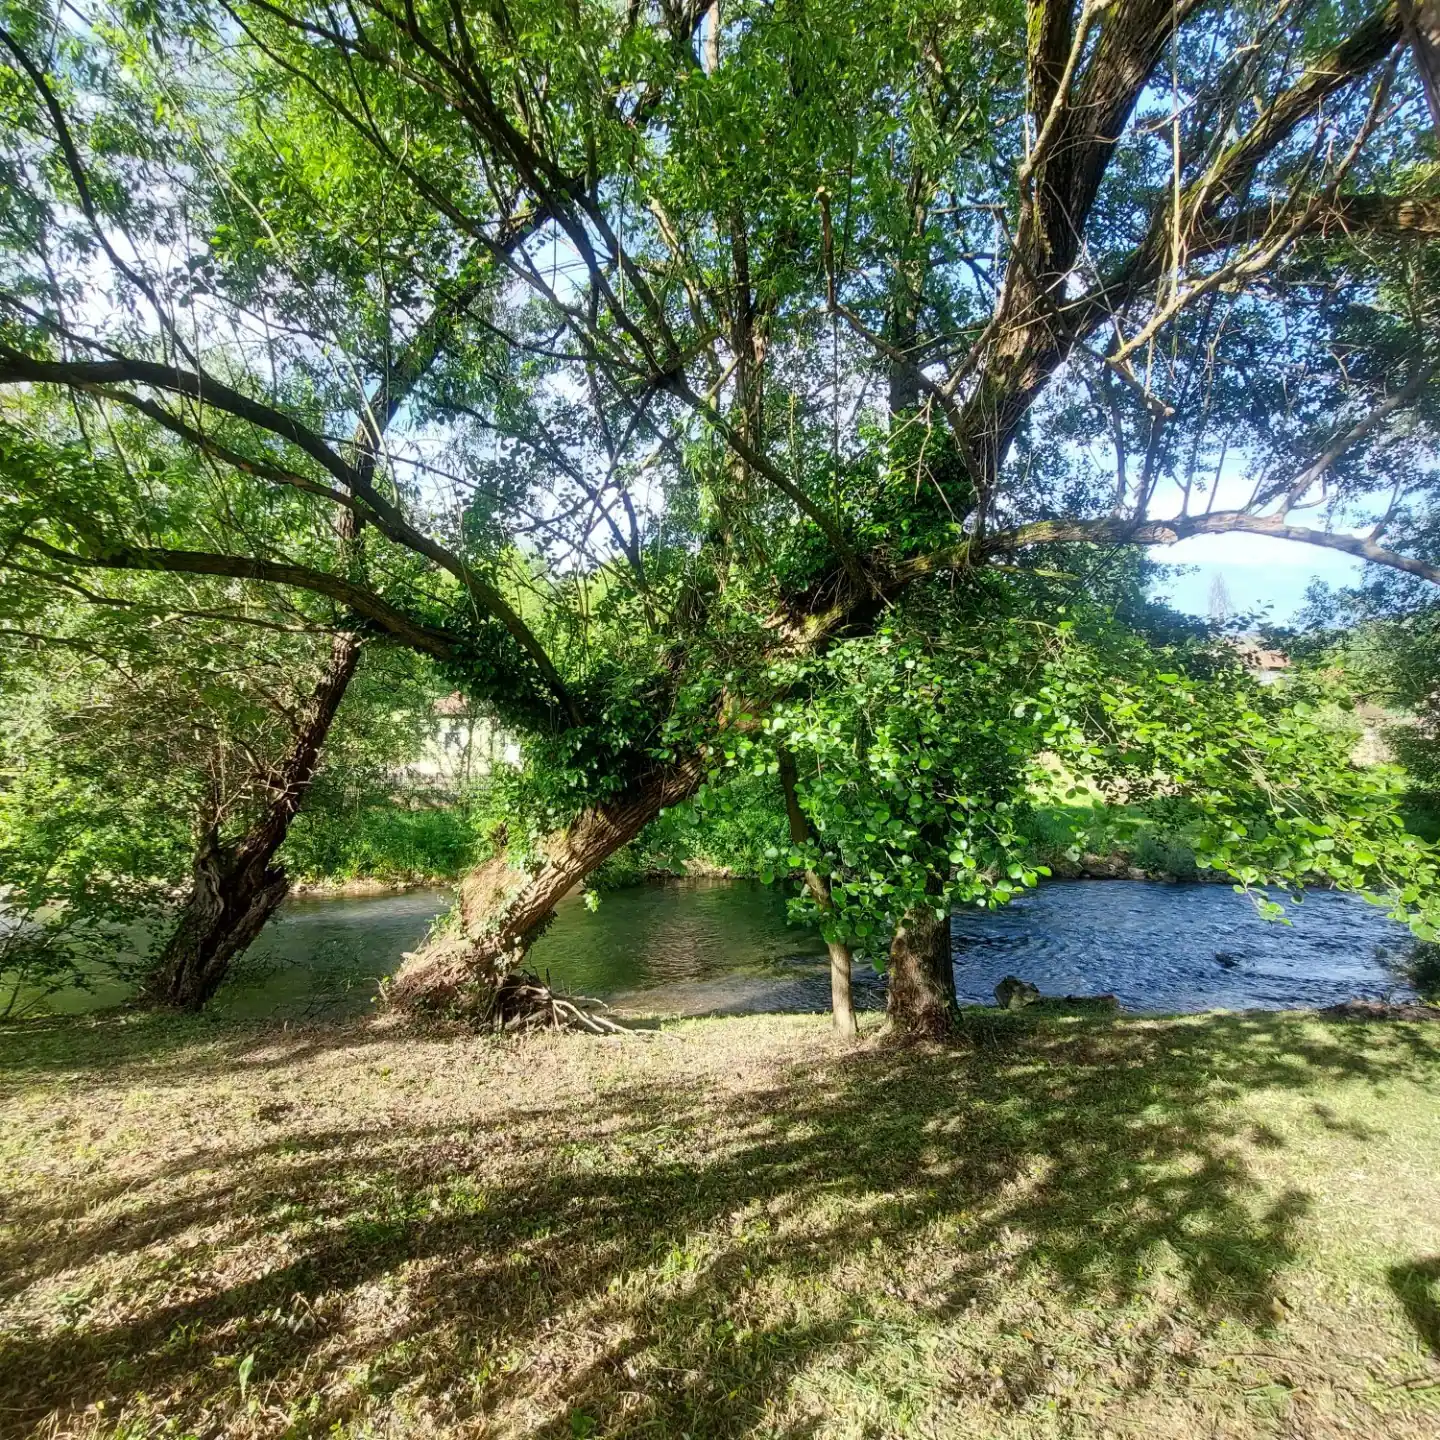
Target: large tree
761,321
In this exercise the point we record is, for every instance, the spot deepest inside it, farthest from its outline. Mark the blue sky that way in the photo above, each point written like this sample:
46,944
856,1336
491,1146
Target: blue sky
1258,570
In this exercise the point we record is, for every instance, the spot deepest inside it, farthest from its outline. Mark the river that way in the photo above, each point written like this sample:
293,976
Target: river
705,947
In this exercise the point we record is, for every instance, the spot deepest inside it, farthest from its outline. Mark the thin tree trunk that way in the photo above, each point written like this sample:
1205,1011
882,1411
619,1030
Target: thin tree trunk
842,1003
237,887
504,905
921,999
903,323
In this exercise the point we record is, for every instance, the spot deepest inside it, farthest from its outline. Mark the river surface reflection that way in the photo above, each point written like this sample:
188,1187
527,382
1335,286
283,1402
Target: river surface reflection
705,947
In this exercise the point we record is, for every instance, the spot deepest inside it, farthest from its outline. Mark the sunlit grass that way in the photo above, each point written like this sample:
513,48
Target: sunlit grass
1202,1226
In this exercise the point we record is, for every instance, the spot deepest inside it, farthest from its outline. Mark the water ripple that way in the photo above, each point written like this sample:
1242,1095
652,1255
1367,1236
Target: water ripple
725,947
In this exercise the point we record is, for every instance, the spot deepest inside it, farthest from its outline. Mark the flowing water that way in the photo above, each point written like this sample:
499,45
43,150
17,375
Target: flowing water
705,947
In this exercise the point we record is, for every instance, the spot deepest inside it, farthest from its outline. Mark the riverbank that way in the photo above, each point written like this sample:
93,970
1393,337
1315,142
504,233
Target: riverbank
361,886
1088,867
1218,1225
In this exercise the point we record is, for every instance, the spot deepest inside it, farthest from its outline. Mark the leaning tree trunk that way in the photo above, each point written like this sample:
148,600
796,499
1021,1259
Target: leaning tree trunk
842,1002
1422,25
237,887
504,904
921,999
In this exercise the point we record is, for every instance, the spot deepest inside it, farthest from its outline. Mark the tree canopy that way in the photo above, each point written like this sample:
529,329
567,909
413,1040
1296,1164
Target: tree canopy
683,377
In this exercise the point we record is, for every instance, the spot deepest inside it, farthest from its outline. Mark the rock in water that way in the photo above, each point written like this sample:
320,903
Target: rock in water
1012,993
1226,960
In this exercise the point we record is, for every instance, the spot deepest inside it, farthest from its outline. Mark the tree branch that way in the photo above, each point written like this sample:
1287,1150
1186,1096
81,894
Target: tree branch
1111,531
87,374
1230,171
424,638
1398,216
680,387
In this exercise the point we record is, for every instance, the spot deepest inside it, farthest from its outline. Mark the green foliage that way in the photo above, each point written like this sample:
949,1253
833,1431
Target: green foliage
76,827
737,825
386,842
923,749
575,252
1257,780
1382,640
909,487
1062,833
912,768
90,842
946,758
125,736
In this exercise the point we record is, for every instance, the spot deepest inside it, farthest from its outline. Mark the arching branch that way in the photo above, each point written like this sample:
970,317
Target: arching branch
16,367
1110,531
356,598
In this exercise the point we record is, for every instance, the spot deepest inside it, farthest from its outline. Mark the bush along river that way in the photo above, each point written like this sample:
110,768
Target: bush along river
725,947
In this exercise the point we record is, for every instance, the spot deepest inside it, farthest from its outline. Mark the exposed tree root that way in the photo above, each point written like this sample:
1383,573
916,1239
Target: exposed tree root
497,997
523,1001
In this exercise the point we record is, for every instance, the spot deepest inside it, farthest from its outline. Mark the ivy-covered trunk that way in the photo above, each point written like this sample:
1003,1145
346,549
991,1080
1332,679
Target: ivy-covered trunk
921,999
504,904
236,887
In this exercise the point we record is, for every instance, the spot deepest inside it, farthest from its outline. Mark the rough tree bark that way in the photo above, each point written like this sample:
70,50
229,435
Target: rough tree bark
1422,24
842,1003
237,887
504,905
921,999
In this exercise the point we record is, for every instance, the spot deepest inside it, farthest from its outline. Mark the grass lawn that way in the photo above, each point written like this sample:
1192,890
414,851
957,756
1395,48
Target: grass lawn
1197,1227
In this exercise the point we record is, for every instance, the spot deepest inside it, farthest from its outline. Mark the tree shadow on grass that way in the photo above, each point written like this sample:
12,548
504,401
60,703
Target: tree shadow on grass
164,1044
1417,1287
653,1256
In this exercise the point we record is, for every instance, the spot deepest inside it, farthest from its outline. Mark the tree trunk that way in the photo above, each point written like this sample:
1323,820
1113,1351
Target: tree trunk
1422,24
226,909
237,887
921,999
903,323
504,906
842,1002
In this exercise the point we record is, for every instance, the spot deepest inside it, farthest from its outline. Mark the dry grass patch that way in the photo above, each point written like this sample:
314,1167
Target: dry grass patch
1208,1226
